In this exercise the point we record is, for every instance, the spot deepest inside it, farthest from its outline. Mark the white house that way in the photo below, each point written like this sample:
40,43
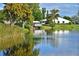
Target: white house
43,21
61,20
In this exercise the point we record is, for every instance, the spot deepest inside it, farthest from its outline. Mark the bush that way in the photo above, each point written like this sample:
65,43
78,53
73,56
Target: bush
10,35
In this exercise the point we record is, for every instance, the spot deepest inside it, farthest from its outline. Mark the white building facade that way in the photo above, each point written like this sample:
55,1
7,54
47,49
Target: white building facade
61,20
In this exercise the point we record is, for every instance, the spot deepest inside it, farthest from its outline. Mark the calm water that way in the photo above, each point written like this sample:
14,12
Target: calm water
58,43
47,43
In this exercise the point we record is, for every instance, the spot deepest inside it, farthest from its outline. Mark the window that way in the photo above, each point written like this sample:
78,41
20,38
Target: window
58,22
63,22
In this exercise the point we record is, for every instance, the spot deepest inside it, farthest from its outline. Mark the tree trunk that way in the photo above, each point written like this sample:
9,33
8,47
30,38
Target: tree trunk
23,25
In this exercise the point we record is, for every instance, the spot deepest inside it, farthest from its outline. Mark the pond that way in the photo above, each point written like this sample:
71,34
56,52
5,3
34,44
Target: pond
47,43
58,43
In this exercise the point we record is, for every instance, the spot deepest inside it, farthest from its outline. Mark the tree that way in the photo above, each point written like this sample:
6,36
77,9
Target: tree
78,13
75,19
43,12
2,16
36,12
54,15
47,16
67,17
17,11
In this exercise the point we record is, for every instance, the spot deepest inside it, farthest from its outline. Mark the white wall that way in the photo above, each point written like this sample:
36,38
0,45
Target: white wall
61,20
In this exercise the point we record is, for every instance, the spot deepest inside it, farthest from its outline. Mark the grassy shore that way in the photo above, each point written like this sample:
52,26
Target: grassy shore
62,27
10,35
45,27
66,27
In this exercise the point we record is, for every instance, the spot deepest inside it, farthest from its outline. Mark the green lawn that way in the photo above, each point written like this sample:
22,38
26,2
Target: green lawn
45,27
62,27
66,27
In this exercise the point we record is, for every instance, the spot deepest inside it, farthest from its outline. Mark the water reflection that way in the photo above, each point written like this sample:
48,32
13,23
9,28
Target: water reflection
58,42
61,32
48,38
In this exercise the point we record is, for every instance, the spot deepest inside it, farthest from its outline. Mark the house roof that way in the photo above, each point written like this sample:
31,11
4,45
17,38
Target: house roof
61,19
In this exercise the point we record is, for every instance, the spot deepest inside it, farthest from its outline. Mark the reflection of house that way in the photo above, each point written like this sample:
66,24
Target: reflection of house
61,32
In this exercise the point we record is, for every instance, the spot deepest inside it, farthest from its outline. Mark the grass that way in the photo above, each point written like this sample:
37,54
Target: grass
66,27
10,35
62,27
76,27
45,27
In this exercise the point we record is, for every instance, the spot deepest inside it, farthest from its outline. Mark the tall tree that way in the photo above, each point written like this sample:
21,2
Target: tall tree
54,15
75,18
43,12
37,14
47,16
78,13
17,11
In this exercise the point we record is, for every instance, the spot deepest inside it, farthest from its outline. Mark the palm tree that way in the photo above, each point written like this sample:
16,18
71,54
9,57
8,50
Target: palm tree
54,15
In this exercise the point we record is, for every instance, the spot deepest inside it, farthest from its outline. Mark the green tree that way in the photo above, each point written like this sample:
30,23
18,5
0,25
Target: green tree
37,14
17,12
54,15
75,18
47,16
43,12
2,16
67,17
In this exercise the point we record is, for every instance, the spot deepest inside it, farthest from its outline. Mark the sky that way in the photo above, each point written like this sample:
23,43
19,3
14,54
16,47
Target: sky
66,9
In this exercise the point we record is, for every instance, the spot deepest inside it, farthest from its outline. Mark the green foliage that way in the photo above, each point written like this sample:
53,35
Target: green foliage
36,12
47,15
2,16
17,11
54,14
75,19
67,17
51,18
66,27
63,27
46,27
24,49
10,36
43,12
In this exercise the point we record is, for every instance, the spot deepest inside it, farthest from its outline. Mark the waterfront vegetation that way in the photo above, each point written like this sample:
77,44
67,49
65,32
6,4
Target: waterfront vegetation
61,27
66,27
17,37
10,35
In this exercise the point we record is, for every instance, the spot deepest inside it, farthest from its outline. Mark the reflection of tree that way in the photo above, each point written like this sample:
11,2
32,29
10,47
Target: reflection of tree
25,49
37,40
